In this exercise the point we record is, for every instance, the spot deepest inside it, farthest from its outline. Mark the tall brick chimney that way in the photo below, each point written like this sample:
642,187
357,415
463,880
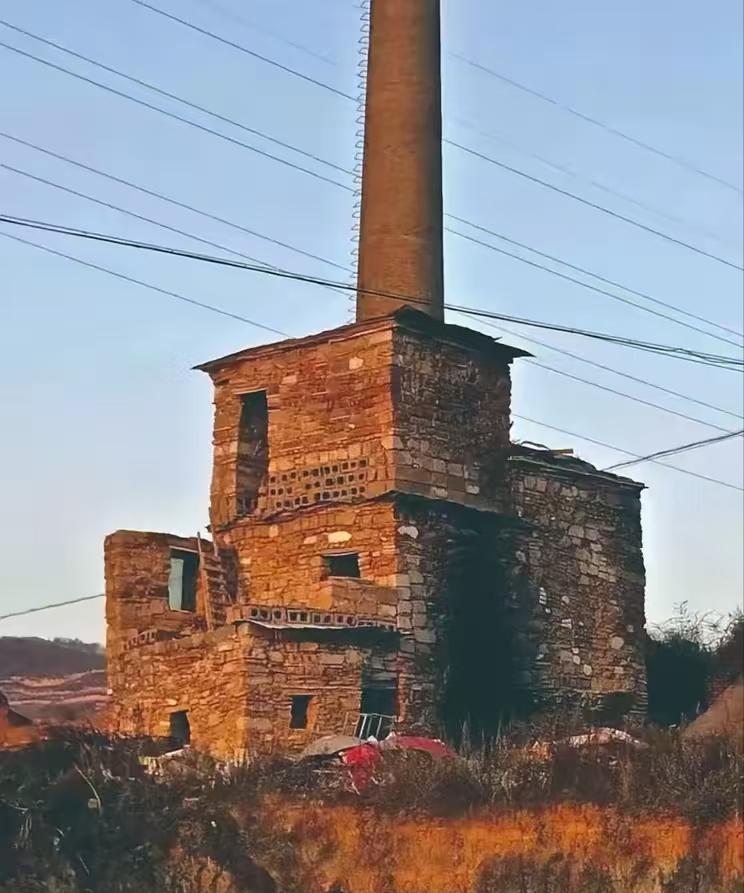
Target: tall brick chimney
400,245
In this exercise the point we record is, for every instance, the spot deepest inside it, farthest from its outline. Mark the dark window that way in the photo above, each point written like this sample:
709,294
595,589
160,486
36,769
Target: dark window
345,565
383,701
299,713
379,707
253,450
184,573
180,731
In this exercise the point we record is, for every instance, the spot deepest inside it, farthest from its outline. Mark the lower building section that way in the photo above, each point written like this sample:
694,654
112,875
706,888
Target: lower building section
254,687
402,611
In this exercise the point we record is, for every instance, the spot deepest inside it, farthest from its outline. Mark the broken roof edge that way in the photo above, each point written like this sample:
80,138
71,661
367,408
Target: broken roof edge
571,466
406,318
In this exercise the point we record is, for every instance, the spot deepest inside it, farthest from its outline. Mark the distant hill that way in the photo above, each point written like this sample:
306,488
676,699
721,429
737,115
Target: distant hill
54,680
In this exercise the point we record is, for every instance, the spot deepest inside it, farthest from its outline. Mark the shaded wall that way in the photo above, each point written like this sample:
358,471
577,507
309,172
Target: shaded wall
578,588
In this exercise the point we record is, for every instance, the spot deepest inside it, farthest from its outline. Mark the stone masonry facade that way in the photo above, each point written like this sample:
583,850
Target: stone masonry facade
380,555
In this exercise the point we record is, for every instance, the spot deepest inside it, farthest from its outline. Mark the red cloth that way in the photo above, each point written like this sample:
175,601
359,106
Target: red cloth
362,761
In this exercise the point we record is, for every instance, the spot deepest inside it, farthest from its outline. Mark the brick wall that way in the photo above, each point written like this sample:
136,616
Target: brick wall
203,673
333,671
137,567
330,405
281,561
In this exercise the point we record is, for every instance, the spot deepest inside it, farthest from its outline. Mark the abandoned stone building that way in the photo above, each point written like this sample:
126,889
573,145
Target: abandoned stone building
381,555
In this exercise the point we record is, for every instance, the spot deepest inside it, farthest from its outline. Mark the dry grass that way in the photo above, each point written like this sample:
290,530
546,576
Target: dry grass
82,810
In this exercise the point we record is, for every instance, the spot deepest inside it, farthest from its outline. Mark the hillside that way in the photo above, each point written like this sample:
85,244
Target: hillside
56,680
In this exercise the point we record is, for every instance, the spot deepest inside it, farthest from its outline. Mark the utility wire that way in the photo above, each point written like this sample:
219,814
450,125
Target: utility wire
129,213
585,201
716,360
565,263
588,362
551,347
235,17
171,201
617,449
498,137
316,158
225,248
676,159
643,402
144,218
243,49
149,285
253,323
674,451
129,184
588,285
463,148
72,601
175,97
175,117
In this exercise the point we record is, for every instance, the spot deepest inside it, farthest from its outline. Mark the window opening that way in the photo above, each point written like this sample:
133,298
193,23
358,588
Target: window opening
180,730
343,565
253,450
182,580
299,711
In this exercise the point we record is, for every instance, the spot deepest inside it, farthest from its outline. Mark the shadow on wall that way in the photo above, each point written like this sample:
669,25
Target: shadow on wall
480,691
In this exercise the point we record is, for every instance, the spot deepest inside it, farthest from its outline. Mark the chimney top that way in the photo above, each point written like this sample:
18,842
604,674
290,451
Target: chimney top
401,235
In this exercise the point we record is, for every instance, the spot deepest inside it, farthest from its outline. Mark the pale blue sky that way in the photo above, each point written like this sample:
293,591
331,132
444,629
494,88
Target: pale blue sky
104,426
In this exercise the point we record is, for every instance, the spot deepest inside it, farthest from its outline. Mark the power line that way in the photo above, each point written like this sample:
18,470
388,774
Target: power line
676,159
175,117
617,449
582,359
175,97
516,171
495,136
485,322
129,213
229,14
149,285
253,323
585,201
243,49
72,601
224,118
674,451
170,200
142,217
716,360
640,400
597,276
586,285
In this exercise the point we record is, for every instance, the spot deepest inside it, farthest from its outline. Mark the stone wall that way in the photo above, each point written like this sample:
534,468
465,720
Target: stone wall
332,667
452,417
281,562
577,583
137,567
330,405
203,673
394,404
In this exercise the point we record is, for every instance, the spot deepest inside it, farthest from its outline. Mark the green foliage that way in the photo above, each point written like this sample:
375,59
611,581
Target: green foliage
684,655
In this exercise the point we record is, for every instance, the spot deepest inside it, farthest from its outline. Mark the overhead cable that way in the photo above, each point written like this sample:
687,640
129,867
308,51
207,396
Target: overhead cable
719,361
597,122
175,117
253,323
